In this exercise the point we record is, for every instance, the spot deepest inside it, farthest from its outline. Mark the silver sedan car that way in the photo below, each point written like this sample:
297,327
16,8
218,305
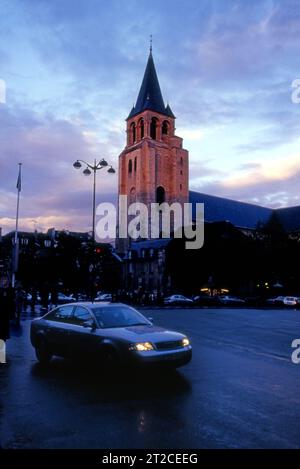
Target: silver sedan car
113,333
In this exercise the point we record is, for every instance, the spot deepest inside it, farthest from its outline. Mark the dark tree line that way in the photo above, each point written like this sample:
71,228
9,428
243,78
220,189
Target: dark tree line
246,264
65,265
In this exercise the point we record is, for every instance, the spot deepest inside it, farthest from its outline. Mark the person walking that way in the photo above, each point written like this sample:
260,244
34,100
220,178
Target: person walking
20,300
6,311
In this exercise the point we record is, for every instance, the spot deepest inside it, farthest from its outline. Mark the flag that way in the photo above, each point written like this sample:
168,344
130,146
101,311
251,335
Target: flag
19,179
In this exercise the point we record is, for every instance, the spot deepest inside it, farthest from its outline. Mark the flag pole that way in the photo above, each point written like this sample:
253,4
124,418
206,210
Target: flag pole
16,240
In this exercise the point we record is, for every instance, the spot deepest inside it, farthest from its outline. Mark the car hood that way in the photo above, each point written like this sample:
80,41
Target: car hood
145,333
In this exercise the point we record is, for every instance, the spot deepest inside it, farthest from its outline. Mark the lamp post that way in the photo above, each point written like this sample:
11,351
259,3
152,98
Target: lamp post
87,172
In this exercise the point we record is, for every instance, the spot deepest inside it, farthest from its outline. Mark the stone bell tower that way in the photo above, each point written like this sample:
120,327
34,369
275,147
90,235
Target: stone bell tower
153,167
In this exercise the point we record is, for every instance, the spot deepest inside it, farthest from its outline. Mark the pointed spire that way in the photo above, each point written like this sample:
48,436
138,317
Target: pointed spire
150,96
132,112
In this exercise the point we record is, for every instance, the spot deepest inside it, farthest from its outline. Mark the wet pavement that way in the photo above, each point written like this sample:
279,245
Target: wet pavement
241,390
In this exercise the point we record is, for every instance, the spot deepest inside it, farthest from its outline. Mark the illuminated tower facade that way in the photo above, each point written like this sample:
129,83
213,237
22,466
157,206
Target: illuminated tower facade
153,167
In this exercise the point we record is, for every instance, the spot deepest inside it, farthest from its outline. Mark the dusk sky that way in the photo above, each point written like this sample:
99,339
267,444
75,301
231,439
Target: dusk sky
73,69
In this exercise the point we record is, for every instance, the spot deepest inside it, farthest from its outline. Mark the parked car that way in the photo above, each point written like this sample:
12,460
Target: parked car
110,333
277,301
206,300
291,301
82,297
177,300
62,298
231,300
104,297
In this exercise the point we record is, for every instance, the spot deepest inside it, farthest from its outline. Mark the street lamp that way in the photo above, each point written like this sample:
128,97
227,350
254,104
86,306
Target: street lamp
87,172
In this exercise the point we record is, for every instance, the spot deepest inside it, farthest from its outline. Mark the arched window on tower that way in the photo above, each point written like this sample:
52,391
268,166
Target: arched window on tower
132,195
130,166
160,195
165,128
133,132
153,127
135,164
141,128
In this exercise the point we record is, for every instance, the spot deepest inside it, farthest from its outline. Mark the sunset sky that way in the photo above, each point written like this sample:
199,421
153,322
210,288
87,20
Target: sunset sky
73,69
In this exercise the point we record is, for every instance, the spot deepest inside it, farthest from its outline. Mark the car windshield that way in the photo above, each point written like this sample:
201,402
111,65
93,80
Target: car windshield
118,316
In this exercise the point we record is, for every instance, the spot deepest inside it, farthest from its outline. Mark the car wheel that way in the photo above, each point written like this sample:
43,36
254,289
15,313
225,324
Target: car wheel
42,352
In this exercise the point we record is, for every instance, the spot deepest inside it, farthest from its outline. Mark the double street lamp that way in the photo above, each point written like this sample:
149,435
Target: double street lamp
87,172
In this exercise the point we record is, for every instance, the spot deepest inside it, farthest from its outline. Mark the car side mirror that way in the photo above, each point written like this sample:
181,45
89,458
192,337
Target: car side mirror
150,319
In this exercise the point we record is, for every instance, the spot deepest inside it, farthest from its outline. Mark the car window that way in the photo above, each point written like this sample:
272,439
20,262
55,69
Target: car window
118,316
81,315
61,314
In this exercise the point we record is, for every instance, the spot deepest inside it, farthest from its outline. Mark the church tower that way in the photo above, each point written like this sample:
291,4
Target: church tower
153,167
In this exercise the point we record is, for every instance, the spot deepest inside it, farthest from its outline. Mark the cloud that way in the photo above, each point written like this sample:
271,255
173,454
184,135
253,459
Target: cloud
192,134
249,166
51,187
273,184
201,172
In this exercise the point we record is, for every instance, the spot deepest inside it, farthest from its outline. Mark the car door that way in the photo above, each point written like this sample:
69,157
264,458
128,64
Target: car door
83,339
57,329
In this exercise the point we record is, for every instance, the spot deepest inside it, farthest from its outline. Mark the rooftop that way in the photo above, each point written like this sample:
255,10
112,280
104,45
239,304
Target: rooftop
242,214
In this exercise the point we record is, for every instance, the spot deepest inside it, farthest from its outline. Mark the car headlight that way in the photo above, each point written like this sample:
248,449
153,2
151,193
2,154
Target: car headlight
142,347
185,342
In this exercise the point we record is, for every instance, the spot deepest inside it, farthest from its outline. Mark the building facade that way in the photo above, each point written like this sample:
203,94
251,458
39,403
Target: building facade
153,167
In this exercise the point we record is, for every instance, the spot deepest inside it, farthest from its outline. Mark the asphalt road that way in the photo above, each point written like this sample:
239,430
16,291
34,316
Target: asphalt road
241,390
